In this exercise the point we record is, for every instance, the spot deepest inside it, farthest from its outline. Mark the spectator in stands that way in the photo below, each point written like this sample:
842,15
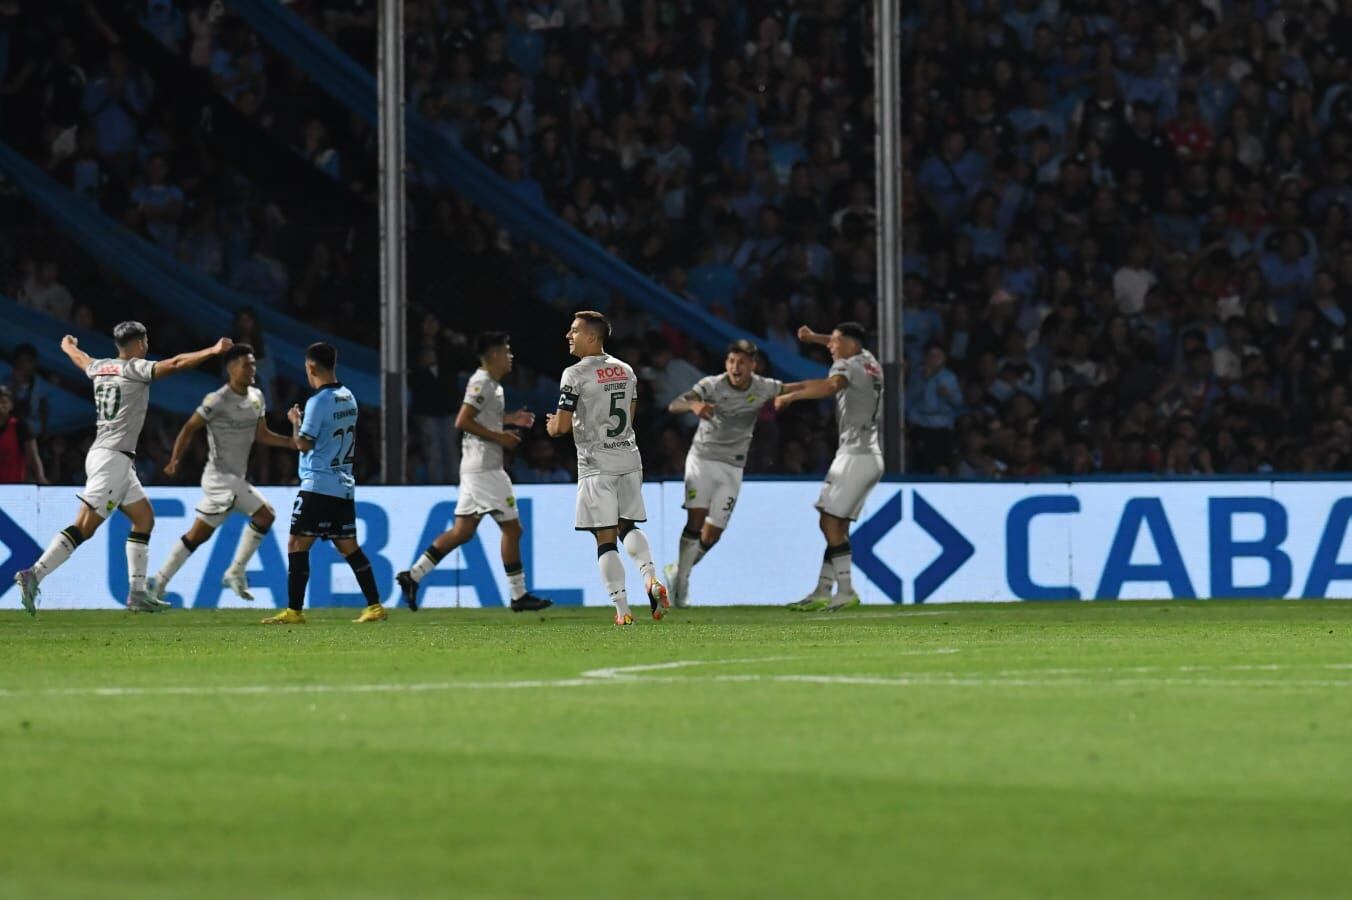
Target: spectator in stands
934,400
157,205
115,103
435,388
19,460
536,465
43,291
29,392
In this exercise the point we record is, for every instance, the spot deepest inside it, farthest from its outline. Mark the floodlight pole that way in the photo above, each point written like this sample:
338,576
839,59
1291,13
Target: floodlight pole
887,160
393,309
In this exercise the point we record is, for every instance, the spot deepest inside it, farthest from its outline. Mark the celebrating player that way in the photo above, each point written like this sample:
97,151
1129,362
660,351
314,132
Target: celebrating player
234,417
856,381
727,406
326,436
484,485
597,399
121,396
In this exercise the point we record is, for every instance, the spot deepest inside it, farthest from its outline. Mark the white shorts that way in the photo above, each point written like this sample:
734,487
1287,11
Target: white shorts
713,486
848,482
486,493
223,493
110,481
602,500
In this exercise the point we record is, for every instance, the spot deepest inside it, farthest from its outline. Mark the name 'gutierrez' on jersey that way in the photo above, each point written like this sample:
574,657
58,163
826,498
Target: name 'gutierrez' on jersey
599,391
330,421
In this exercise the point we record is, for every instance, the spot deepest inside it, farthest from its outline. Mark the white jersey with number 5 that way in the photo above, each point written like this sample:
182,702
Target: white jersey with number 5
121,397
599,391
859,405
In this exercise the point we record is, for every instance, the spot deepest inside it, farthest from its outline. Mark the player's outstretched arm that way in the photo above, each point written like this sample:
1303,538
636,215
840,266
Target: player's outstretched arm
467,420
194,424
269,438
808,336
812,390
690,402
185,361
70,345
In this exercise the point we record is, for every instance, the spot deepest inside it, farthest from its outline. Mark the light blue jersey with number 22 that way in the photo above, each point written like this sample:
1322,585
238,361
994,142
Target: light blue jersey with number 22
330,421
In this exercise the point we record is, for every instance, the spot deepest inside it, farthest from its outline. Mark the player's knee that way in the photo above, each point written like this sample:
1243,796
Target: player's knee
511,528
264,518
710,536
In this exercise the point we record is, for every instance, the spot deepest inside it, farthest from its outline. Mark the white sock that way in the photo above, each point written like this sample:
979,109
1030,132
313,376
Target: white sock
57,552
687,557
138,555
249,541
612,576
636,545
426,563
516,580
177,557
841,561
826,579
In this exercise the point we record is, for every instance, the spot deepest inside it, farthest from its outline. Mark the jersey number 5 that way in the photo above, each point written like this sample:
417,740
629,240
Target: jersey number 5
343,436
620,412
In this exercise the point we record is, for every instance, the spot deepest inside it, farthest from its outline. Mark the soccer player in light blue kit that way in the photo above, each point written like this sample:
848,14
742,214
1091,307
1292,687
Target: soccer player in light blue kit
325,508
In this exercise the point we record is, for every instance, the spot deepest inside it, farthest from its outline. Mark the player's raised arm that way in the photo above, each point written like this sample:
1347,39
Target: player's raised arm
70,345
194,424
467,420
808,336
185,361
816,389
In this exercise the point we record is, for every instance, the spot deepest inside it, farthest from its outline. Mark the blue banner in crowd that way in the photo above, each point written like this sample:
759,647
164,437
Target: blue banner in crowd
915,543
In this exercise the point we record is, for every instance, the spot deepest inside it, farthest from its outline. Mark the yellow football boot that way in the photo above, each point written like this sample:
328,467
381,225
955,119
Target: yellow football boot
287,616
373,613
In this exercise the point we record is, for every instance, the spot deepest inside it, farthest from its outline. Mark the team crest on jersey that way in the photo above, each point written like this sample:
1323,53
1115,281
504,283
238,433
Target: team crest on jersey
511,501
750,398
111,505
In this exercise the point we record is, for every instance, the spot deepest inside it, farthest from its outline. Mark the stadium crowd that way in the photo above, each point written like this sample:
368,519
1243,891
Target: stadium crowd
1127,246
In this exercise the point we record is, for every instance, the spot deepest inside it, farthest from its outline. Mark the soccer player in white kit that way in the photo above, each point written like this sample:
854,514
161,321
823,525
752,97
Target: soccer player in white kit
597,399
728,406
856,381
485,488
121,397
234,416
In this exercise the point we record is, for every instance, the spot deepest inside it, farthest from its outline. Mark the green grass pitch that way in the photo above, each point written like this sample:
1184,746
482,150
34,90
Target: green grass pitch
1108,750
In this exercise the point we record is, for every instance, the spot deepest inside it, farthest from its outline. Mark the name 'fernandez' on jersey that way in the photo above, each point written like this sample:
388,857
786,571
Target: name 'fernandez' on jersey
330,421
599,391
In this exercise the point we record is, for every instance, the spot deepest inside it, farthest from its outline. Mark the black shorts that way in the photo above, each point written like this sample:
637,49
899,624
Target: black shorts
322,516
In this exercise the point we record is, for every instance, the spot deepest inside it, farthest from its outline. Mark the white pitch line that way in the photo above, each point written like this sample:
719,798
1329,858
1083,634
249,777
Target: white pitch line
637,674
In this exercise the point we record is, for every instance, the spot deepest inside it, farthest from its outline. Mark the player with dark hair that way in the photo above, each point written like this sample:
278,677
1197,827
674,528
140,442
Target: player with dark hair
326,507
856,381
234,416
485,488
727,406
121,398
597,400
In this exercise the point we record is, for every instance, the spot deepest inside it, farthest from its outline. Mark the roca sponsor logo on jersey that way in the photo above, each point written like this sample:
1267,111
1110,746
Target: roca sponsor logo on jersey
608,374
